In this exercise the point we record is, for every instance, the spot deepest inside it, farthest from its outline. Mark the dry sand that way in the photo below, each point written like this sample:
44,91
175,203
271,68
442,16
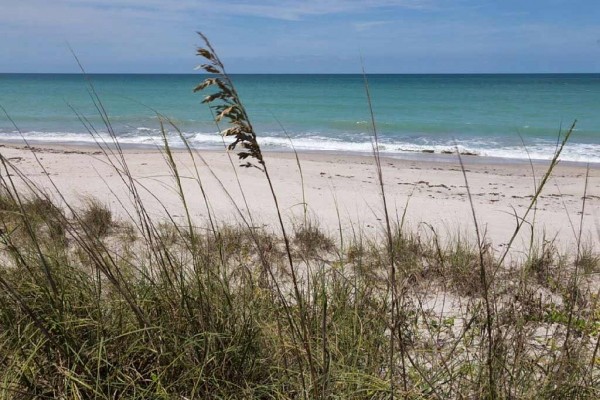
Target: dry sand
432,189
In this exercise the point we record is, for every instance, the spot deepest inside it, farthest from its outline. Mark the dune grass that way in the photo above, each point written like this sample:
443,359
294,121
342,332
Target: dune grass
149,307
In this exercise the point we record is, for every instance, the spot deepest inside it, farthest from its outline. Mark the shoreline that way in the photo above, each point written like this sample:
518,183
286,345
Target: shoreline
339,184
417,156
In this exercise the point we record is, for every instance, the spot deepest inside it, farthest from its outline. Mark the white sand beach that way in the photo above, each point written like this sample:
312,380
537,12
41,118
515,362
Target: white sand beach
340,191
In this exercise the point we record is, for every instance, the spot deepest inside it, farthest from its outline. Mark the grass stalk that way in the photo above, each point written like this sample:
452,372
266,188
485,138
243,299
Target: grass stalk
489,316
242,130
391,253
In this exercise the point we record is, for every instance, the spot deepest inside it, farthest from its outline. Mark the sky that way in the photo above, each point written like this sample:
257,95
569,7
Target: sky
310,36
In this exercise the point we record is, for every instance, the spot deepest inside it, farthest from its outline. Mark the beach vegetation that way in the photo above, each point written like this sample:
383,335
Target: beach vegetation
94,305
96,218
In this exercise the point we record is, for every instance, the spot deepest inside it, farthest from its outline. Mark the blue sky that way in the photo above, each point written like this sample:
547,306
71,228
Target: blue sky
312,36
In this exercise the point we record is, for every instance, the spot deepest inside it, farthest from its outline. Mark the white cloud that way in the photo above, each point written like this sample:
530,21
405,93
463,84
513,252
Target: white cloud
295,10
111,21
367,25
158,35
275,9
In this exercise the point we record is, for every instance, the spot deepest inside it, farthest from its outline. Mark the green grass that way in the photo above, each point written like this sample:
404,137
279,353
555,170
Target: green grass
154,308
195,316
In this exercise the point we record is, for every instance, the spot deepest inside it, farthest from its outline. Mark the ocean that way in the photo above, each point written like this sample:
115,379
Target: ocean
499,115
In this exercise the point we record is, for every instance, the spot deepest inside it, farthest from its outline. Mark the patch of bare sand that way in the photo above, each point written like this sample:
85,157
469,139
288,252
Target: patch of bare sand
432,191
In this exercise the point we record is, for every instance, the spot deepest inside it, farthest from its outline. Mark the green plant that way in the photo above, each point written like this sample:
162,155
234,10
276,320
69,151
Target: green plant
96,218
93,306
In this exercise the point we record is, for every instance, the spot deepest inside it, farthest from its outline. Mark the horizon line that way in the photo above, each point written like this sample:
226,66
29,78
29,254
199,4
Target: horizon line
302,73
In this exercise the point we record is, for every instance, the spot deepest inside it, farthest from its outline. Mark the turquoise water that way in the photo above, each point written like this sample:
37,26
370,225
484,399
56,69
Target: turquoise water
484,114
